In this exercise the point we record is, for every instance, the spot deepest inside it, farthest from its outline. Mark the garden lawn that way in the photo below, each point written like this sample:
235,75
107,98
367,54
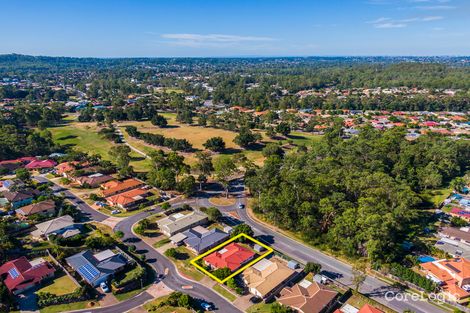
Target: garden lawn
260,308
185,267
60,286
66,307
224,292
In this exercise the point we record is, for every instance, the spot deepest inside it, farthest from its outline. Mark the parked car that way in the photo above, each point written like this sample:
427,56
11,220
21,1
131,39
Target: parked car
104,287
115,212
207,306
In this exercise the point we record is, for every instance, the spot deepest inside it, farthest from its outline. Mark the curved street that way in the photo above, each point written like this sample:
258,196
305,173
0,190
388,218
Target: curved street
331,267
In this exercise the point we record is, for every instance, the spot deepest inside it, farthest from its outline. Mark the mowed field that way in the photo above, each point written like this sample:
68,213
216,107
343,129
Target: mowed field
198,135
84,137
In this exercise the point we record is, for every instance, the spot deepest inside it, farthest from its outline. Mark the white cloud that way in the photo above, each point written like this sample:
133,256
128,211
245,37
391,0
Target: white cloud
435,7
199,40
390,25
386,22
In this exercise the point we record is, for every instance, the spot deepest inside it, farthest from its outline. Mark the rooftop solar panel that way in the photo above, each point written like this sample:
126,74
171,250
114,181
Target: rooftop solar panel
13,273
452,268
88,271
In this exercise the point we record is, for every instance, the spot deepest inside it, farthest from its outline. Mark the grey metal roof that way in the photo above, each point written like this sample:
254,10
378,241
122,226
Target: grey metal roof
105,267
200,242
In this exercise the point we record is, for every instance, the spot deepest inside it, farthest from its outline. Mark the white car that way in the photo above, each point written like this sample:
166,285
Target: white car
104,287
115,212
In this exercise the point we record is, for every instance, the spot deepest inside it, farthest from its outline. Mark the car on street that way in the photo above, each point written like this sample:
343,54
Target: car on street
206,306
241,206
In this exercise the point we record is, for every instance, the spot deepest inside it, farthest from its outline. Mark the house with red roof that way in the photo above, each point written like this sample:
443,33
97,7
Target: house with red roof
232,256
452,275
19,275
40,164
129,200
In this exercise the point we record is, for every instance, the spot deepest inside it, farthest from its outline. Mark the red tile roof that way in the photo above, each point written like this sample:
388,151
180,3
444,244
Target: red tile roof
27,274
40,164
128,184
367,308
127,197
232,256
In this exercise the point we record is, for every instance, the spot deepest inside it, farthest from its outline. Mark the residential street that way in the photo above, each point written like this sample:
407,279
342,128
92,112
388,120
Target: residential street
332,267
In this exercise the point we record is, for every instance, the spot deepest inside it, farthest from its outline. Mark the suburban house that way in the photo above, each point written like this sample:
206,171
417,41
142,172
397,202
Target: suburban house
93,180
120,187
178,222
307,297
460,213
232,256
267,277
44,208
63,226
40,164
18,199
19,275
12,165
199,239
11,184
458,234
453,276
97,268
129,200
65,168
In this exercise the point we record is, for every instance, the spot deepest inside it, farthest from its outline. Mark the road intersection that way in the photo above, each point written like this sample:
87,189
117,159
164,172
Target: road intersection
331,267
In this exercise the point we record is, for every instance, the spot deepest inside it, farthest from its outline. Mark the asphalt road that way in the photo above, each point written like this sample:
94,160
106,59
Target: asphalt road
331,267
159,262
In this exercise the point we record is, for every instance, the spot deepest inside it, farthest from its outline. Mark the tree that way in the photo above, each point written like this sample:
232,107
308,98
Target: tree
215,144
213,214
359,277
119,234
121,155
224,168
204,166
283,128
222,273
246,137
23,174
187,185
171,253
242,229
232,284
458,184
159,120
273,149
458,222
312,267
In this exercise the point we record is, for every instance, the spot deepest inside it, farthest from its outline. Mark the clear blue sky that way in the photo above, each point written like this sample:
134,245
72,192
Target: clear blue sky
119,28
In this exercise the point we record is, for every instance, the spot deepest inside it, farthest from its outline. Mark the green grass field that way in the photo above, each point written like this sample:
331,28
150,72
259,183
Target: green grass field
198,135
84,137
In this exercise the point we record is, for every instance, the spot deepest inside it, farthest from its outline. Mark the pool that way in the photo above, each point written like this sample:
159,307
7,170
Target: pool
426,258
